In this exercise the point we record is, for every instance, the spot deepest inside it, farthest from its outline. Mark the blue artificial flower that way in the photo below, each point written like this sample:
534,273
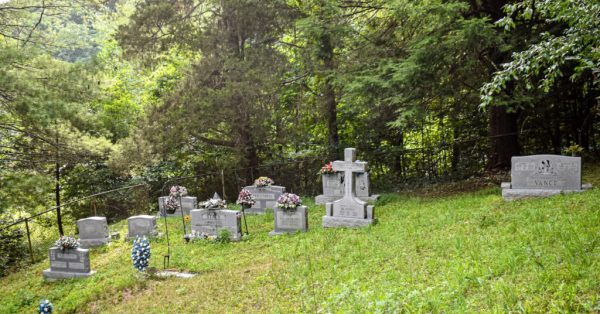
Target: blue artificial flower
140,253
45,307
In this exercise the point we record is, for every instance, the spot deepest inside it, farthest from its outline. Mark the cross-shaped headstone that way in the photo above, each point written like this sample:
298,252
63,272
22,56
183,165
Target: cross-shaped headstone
349,211
349,166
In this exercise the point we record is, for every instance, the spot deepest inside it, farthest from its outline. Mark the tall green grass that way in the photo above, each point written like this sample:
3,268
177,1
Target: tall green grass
471,252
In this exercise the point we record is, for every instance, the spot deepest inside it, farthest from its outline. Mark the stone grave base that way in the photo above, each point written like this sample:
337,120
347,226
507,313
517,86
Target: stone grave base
88,243
510,194
276,233
322,199
336,222
172,273
50,275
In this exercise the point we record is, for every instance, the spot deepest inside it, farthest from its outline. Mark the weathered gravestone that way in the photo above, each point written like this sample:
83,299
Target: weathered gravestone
543,175
187,204
142,225
333,187
209,221
93,231
69,263
290,220
265,197
349,211
363,187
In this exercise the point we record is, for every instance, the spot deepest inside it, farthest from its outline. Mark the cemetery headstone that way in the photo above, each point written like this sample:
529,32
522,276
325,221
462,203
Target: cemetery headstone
333,187
290,221
349,211
187,204
142,225
265,197
208,221
543,175
68,263
363,187
93,231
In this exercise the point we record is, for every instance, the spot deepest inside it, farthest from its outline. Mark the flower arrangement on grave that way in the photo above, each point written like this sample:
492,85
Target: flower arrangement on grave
45,307
175,193
573,150
66,243
327,168
263,181
246,199
140,253
178,191
289,201
214,204
187,218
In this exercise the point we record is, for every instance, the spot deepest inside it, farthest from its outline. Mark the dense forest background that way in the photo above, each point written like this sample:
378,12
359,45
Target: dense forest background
99,95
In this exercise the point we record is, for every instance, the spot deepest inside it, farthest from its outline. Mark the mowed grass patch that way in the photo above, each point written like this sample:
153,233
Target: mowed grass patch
467,253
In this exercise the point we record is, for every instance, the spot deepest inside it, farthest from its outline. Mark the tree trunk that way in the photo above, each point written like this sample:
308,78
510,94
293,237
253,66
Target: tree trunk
249,151
504,140
326,54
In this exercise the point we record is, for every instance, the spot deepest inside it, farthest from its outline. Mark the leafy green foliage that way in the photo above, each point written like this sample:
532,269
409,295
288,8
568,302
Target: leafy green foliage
572,41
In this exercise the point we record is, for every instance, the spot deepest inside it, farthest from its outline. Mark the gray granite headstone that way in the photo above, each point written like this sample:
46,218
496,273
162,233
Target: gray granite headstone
69,263
93,231
265,197
187,204
142,225
210,221
290,221
543,175
349,211
333,187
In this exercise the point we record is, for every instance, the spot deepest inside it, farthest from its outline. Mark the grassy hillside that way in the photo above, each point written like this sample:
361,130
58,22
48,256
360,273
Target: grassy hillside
469,252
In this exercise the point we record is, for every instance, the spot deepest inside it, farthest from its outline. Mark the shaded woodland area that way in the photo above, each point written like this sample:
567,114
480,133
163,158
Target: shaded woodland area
107,94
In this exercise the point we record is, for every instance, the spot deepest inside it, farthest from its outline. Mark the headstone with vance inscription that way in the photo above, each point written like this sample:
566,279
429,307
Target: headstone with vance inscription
543,175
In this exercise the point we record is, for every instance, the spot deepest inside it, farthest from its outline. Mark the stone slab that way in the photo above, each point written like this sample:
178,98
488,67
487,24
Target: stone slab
51,275
515,194
340,222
